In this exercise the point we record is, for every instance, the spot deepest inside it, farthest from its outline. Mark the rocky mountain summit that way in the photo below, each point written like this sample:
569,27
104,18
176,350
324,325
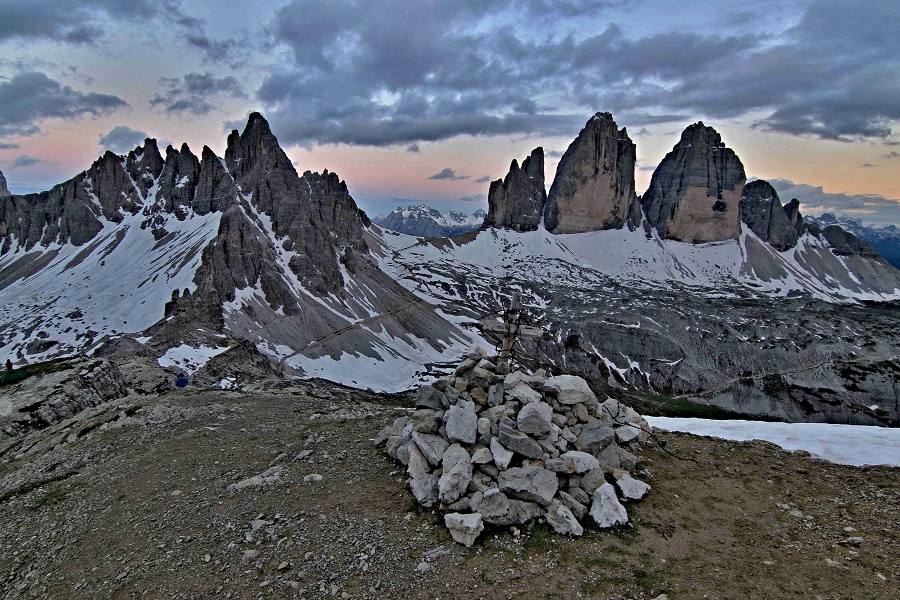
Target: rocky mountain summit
594,184
695,192
762,212
517,201
422,221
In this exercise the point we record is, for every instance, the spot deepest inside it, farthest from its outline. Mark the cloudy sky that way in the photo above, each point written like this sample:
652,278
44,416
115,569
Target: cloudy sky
417,100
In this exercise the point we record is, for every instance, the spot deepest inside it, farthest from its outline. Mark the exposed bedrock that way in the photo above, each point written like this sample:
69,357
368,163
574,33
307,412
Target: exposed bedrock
516,202
695,192
762,212
594,184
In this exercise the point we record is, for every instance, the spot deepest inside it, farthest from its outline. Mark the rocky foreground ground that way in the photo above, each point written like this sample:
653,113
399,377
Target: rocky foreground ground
209,494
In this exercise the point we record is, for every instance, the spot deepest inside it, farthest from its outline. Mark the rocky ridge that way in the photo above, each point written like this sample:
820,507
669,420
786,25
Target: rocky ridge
489,446
594,184
517,201
695,192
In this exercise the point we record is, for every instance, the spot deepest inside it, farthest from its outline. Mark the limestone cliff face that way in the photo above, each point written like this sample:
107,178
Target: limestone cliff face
4,191
695,192
762,212
594,184
178,182
517,201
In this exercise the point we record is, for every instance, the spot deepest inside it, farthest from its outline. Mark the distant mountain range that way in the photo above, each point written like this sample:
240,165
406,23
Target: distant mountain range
422,221
885,239
704,289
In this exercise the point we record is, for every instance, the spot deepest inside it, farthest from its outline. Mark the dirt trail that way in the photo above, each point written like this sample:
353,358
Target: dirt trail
144,510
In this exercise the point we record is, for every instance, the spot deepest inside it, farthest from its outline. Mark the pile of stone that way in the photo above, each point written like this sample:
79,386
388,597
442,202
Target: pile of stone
503,449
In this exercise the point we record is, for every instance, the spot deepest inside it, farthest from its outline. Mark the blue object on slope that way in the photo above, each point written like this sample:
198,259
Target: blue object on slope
181,382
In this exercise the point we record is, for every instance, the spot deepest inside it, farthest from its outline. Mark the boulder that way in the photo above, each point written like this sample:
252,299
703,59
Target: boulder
431,445
462,423
563,521
594,437
573,462
606,510
465,529
631,488
425,489
517,441
529,483
457,474
570,389
535,418
502,456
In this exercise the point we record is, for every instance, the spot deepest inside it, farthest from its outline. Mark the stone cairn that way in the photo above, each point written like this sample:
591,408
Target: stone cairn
503,449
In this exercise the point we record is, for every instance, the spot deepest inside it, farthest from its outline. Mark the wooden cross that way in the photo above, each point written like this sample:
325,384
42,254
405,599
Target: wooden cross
510,329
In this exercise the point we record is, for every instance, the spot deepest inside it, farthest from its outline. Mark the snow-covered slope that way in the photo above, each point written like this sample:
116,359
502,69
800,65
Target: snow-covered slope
64,298
727,267
735,323
843,444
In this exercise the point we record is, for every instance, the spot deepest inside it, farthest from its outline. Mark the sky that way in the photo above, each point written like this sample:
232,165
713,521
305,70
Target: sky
418,101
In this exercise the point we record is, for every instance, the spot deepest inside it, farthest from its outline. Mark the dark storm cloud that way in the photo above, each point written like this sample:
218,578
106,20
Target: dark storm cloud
87,21
484,179
414,148
448,173
8,146
474,198
871,208
356,73
28,98
122,139
194,93
24,161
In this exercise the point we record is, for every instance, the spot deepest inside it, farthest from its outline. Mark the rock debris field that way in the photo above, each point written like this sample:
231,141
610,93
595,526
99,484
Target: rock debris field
283,494
492,447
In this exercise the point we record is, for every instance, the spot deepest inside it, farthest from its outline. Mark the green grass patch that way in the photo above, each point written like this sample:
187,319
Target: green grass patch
539,540
658,405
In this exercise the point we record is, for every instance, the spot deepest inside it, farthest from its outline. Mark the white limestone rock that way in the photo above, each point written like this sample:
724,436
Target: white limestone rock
530,483
573,462
464,529
631,488
563,522
606,510
462,423
457,474
502,456
571,389
535,418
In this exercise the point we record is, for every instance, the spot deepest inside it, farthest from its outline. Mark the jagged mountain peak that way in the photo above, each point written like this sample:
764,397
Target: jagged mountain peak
4,191
762,212
517,201
594,184
695,192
